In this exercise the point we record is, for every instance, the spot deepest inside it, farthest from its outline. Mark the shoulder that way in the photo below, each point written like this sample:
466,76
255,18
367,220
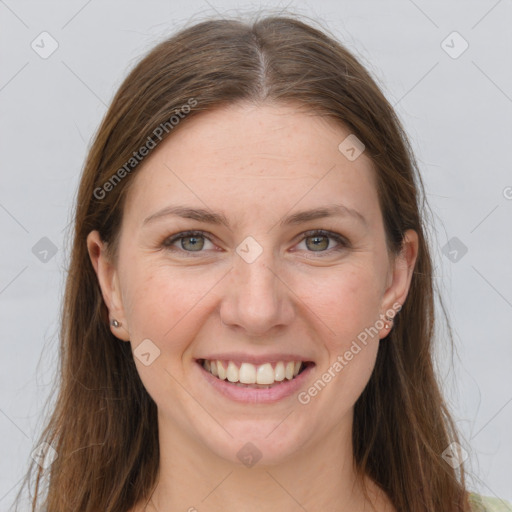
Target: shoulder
481,503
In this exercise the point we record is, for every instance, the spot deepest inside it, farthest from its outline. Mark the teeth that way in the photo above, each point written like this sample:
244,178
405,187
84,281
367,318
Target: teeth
248,373
232,372
221,371
265,374
288,372
279,372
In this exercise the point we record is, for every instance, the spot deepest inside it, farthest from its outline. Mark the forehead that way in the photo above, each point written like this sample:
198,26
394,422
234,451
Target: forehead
256,158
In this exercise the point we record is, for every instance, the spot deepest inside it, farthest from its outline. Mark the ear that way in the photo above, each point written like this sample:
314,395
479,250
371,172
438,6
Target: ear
400,276
109,283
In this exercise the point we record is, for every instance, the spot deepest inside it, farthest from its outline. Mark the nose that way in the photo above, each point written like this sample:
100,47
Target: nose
257,299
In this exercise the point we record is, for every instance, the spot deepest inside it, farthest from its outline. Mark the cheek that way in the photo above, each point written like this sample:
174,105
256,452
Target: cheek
163,309
151,305
349,306
142,304
348,303
347,300
163,303
347,385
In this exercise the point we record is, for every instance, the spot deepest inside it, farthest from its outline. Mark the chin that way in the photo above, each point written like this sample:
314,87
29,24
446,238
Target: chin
256,443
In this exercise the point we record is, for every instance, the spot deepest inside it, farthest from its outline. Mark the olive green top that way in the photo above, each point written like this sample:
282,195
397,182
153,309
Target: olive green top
481,503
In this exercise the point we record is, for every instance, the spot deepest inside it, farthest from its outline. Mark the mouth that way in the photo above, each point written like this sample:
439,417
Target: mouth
247,382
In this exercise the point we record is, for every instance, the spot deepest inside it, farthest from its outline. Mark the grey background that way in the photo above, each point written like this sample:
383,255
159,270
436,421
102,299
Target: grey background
456,111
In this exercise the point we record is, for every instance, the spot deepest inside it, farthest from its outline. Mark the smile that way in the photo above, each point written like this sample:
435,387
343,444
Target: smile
250,375
247,382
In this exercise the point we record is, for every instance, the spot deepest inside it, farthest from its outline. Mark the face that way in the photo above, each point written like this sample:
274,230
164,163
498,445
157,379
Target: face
255,282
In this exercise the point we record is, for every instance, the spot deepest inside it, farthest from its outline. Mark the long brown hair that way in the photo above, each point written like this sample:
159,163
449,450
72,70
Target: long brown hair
104,426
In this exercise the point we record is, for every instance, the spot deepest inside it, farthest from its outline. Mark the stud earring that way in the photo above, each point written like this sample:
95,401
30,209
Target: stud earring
115,323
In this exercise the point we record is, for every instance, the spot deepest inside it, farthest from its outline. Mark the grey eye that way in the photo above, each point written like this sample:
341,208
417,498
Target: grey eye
193,243
318,242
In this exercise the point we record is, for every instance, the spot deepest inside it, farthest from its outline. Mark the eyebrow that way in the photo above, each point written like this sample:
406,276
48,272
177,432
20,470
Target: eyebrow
209,217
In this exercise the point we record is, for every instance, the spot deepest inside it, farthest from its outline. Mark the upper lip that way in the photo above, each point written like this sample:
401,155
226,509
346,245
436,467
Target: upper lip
254,359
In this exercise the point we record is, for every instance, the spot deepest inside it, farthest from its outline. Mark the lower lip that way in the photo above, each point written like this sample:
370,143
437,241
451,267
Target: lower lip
254,395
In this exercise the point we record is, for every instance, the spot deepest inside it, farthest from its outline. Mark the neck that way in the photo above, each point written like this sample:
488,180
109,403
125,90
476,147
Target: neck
192,478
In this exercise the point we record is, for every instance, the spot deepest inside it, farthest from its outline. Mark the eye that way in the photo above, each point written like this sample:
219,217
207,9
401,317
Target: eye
319,241
191,241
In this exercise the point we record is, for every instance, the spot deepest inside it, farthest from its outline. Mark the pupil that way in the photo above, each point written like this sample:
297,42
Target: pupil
194,242
317,241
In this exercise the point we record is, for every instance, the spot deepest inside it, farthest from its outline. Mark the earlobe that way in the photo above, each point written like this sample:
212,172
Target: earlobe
109,284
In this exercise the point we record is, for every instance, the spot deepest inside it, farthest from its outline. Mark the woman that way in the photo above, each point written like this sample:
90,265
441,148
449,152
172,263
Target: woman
249,313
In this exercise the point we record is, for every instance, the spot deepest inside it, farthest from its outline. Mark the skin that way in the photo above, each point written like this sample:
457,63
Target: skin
255,164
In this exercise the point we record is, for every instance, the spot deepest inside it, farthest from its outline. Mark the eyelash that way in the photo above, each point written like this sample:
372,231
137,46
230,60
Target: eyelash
344,243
